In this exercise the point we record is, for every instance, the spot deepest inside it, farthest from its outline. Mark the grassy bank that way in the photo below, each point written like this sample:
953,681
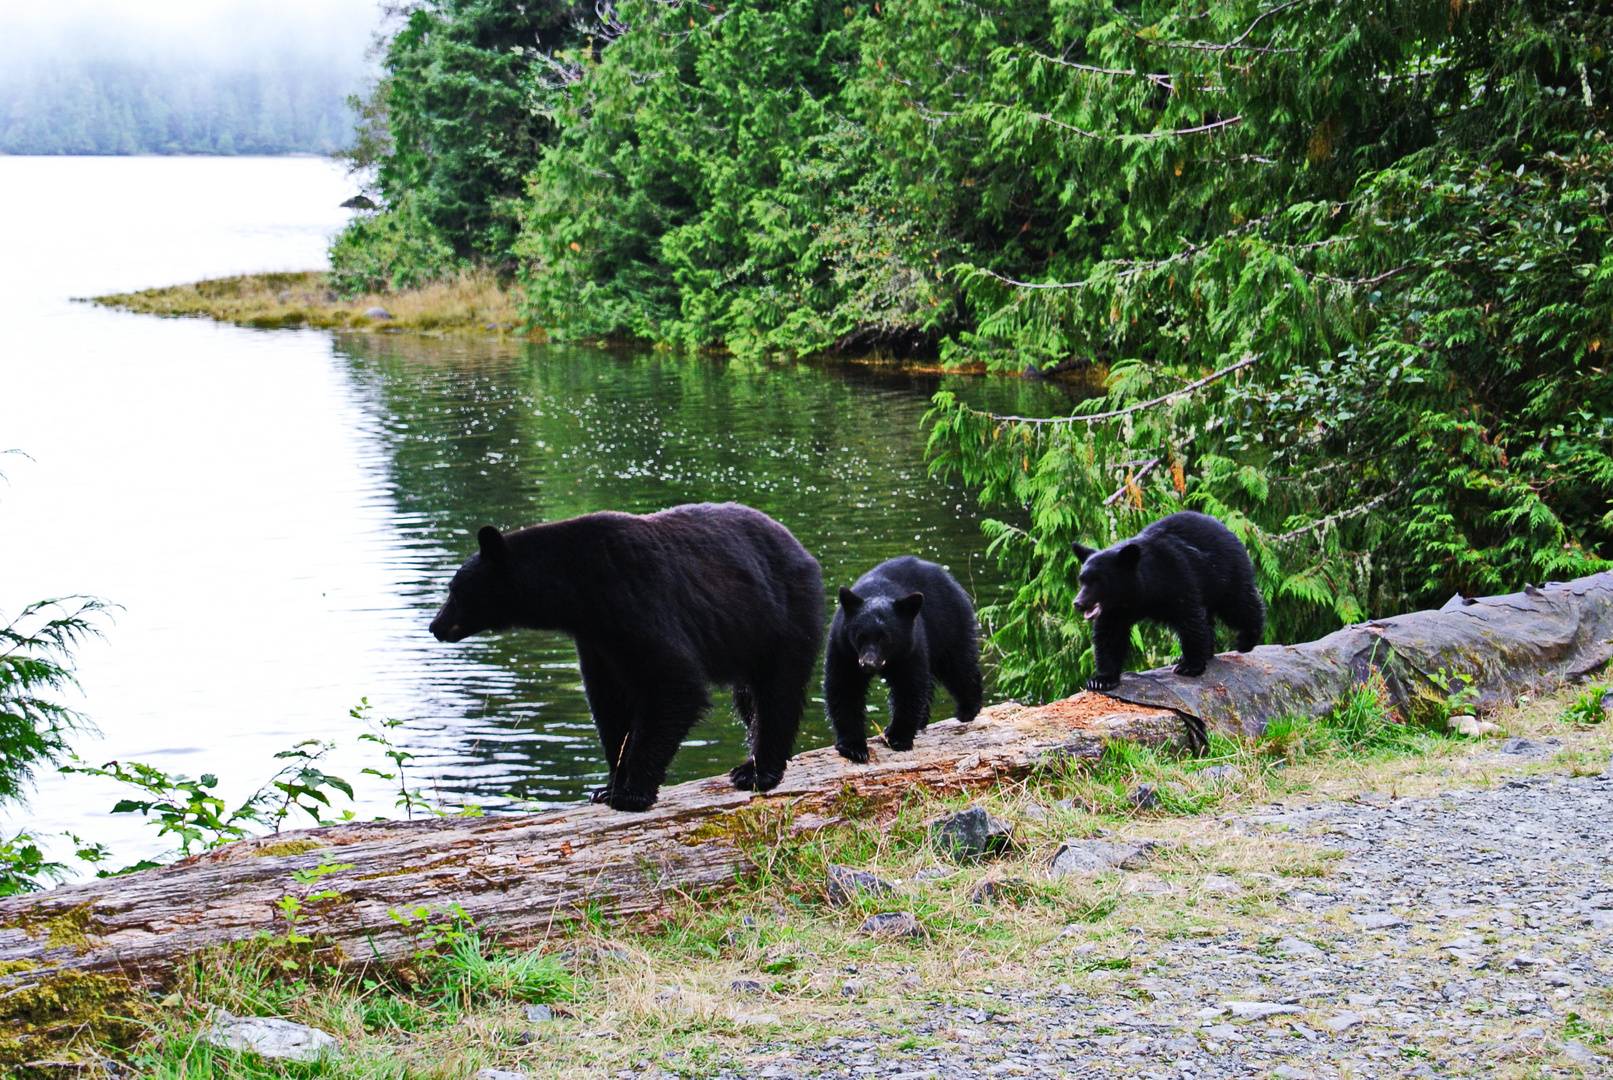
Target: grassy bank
716,979
473,303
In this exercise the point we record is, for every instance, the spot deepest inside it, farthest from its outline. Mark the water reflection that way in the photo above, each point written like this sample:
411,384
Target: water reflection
485,433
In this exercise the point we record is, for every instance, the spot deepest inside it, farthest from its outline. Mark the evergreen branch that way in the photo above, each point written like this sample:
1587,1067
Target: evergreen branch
1355,511
1201,129
1142,474
1129,409
1237,43
1166,81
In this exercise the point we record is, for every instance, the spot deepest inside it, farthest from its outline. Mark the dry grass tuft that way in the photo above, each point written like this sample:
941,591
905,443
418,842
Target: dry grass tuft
471,303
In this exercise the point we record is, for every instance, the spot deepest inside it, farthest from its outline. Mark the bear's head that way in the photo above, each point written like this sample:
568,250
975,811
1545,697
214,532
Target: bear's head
877,628
1106,575
481,596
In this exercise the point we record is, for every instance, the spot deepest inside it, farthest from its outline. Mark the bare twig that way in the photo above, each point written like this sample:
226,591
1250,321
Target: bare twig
1095,417
1202,128
1342,514
1138,478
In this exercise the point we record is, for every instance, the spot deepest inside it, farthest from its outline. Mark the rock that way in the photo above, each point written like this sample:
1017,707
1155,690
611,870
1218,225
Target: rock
891,924
1211,1012
1343,1022
499,1074
1181,1046
988,891
360,202
1466,724
1221,774
1360,1001
846,884
377,313
1377,920
1293,1072
970,834
910,981
851,988
755,1019
1147,796
1578,1052
539,1014
1525,747
1033,812
1070,806
672,995
1291,946
1220,885
1096,856
268,1037
746,986
934,873
1259,1010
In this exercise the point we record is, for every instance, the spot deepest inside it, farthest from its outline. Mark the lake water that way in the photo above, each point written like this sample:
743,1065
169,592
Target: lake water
278,512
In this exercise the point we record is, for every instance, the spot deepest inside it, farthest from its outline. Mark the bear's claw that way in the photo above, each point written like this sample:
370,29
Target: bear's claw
631,800
746,778
1103,682
600,794
898,744
1189,670
855,754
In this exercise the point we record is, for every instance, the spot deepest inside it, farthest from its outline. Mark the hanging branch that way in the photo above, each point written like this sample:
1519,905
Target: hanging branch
1095,417
1342,514
1144,135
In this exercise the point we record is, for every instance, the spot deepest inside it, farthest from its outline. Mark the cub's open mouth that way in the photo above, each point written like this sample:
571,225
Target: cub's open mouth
1092,612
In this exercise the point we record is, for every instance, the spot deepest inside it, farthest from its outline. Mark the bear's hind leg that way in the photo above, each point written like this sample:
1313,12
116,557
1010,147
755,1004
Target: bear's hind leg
962,680
780,700
1246,613
845,696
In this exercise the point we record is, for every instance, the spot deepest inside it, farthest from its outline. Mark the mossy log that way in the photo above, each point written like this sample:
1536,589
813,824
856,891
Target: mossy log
518,876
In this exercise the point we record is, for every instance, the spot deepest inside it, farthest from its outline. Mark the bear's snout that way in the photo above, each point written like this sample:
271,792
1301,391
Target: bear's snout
446,626
869,661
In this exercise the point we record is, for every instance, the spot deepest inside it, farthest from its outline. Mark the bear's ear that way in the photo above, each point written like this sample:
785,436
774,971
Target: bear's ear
1082,552
492,543
908,606
850,601
1130,556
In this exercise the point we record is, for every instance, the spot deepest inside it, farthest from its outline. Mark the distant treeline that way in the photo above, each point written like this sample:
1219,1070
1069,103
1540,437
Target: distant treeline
112,106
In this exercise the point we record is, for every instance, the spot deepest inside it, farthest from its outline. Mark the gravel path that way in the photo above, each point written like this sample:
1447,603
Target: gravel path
1457,935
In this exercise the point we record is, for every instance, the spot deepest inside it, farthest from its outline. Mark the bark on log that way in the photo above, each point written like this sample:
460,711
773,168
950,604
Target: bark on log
1523,642
516,876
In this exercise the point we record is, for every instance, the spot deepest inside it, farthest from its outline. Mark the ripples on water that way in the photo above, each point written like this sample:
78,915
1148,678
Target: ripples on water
482,434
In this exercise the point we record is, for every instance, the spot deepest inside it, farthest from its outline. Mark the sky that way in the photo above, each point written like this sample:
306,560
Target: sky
215,33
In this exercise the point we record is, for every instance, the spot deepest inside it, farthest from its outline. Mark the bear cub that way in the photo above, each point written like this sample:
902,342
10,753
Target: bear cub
1185,571
660,606
908,622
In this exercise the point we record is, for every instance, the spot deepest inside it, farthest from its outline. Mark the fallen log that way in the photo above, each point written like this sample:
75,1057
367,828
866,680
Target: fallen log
1502,646
517,876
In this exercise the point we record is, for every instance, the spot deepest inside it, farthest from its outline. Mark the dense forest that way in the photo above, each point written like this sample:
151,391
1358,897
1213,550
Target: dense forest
1344,266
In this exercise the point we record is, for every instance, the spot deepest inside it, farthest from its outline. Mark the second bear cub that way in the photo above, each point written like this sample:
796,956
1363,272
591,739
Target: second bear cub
1185,570
908,622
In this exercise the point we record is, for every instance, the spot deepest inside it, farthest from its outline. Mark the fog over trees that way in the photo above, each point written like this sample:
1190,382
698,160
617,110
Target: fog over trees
182,77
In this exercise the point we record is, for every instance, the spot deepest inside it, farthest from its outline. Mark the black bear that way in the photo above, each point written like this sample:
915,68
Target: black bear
1184,571
660,606
907,621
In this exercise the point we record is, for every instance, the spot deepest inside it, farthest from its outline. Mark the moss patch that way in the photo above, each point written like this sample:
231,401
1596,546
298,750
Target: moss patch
67,1016
287,847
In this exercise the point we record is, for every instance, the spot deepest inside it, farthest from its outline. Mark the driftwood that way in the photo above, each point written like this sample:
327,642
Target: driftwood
516,876
1524,642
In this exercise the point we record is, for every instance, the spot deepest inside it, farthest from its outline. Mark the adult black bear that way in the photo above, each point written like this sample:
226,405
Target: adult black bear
1183,570
908,621
660,606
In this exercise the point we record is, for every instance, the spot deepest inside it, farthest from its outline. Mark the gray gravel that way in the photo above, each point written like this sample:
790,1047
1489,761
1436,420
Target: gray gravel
1455,937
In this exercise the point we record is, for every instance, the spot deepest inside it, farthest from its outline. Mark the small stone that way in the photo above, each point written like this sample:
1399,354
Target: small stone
1291,946
1472,726
746,986
1343,1022
1225,1033
1377,920
1221,774
376,313
891,924
988,891
755,1019
499,1074
1259,1010
1220,885
272,1038
1292,1072
1033,812
1070,806
1360,1001
1147,796
970,834
1096,856
539,1014
1211,1012
670,996
1525,747
1578,1052
934,873
845,884
851,988
1181,1045
910,981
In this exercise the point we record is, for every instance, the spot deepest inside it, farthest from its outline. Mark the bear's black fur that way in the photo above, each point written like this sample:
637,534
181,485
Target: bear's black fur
660,606
907,621
1184,570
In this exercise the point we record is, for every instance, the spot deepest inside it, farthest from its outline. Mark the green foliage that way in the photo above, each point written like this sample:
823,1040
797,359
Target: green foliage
475,971
396,248
23,866
1587,708
408,799
36,657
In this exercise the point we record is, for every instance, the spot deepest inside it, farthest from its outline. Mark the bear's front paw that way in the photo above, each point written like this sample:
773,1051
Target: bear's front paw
632,800
856,754
600,794
898,742
743,776
1190,670
1103,682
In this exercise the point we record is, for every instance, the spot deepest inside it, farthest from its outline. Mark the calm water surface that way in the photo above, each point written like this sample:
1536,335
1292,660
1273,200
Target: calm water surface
278,512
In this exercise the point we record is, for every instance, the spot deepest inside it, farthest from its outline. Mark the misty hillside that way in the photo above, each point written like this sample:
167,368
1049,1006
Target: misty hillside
228,78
